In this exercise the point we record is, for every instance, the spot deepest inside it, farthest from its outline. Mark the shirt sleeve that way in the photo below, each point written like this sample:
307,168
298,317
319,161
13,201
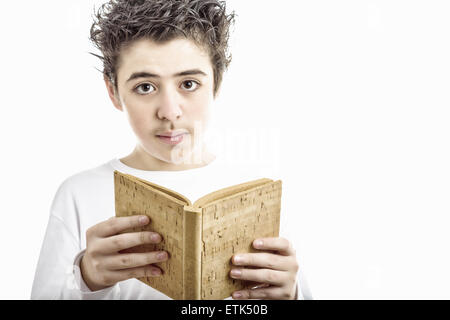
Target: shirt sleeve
303,291
289,222
58,274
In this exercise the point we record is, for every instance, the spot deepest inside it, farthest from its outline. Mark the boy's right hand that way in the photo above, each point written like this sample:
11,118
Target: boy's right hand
103,265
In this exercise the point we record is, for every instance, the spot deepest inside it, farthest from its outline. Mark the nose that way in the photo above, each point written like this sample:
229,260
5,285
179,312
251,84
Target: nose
169,107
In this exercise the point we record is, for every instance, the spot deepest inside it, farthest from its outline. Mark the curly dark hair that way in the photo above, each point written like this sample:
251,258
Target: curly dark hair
118,23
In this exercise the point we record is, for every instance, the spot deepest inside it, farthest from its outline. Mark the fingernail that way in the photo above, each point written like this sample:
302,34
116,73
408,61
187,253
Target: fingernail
258,243
237,295
155,237
161,256
236,273
156,272
143,219
238,259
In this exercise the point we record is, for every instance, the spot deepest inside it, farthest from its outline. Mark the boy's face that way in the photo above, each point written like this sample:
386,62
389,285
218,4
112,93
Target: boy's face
165,102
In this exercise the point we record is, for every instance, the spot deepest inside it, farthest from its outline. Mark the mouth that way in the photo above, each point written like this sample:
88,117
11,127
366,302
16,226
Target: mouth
170,136
172,140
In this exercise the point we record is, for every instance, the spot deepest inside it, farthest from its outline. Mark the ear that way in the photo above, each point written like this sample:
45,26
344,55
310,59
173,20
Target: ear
112,93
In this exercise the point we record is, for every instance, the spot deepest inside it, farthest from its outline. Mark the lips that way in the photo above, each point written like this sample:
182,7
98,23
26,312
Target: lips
171,134
174,140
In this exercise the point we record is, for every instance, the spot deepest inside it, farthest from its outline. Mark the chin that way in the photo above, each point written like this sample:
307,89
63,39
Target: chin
176,156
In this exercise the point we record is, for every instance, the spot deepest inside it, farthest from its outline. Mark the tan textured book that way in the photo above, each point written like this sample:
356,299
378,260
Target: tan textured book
202,237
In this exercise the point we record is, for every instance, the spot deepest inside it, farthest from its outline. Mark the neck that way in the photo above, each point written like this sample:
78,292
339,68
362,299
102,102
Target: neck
141,160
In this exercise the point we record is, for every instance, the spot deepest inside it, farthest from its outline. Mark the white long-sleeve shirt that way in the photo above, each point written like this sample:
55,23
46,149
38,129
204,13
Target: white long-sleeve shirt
87,198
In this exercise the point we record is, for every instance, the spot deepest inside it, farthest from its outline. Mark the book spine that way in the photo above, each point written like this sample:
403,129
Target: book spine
192,250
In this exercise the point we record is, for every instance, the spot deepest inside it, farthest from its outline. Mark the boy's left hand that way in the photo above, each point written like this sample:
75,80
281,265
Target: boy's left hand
276,271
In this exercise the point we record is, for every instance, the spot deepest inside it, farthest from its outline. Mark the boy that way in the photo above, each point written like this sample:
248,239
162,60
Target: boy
163,65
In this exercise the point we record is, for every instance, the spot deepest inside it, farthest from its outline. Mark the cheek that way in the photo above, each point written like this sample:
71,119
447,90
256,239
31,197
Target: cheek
198,118
138,117
201,109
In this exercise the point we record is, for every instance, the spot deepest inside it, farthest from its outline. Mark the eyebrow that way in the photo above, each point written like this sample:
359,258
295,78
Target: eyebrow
146,74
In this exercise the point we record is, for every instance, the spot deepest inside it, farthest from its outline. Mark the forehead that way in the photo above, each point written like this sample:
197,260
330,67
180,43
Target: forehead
163,58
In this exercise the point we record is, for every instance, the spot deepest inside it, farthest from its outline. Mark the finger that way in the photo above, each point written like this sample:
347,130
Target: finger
116,225
255,285
273,277
139,272
133,260
272,293
282,245
128,240
251,284
264,260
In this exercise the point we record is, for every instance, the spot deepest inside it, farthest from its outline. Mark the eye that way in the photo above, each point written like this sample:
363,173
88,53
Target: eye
145,87
192,84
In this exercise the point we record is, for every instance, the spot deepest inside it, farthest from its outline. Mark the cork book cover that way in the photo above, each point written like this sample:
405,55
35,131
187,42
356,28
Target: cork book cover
201,237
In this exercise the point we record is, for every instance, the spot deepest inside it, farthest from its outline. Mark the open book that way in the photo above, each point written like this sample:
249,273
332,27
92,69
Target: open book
202,237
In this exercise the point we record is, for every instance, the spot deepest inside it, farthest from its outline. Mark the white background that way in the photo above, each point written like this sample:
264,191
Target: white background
357,93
